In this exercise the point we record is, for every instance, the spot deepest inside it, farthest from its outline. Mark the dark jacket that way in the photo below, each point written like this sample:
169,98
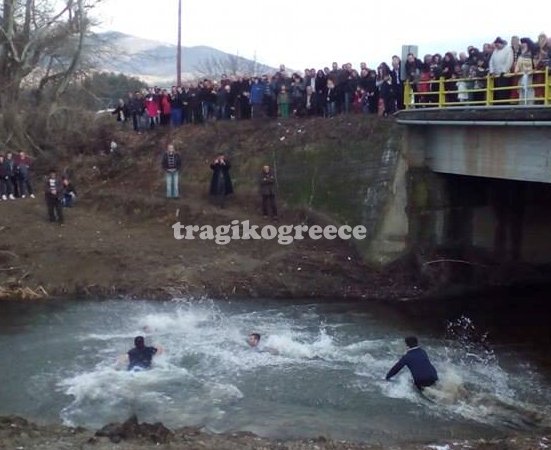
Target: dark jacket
68,189
314,108
3,171
10,167
23,166
177,162
267,183
122,112
418,363
135,104
141,357
221,184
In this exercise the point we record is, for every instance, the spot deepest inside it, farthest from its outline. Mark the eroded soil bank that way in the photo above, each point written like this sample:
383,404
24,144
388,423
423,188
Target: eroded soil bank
17,433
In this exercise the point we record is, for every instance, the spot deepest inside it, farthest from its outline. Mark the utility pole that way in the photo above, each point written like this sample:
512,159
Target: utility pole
179,51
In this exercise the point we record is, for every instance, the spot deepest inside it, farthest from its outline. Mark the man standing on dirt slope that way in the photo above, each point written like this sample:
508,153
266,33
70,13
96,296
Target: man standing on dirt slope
53,192
220,184
267,191
416,359
172,164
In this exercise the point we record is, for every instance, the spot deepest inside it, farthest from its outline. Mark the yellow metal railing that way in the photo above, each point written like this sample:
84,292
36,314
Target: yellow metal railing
536,90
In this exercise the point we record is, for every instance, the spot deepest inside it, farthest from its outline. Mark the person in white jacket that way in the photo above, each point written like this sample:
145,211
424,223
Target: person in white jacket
501,62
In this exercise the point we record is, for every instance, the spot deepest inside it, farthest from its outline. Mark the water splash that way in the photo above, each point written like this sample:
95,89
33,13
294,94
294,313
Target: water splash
329,373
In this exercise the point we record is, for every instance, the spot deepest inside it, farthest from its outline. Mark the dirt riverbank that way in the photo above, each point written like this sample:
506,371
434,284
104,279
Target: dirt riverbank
17,433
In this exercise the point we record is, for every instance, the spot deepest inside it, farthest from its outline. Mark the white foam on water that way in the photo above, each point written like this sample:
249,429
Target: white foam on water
200,376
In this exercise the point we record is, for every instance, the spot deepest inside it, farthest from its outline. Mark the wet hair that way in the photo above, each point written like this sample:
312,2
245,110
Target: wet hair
411,341
256,336
139,341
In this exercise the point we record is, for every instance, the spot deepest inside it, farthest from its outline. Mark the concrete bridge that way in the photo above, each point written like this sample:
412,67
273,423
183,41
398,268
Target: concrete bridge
472,178
512,143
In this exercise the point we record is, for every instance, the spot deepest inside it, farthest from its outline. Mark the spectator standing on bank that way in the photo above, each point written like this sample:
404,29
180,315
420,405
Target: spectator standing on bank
10,168
136,107
283,102
121,112
53,191
24,164
172,164
69,192
3,179
220,184
267,191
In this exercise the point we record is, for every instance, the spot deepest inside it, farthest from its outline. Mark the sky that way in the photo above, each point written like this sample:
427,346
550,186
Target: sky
302,34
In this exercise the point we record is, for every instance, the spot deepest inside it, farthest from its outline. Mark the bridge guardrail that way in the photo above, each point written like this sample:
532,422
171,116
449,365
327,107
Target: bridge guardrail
524,89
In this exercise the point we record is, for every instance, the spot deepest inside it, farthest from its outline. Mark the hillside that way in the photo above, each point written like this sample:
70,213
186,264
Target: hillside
118,239
155,62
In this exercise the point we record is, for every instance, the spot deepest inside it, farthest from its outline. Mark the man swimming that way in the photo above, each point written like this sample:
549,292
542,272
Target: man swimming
417,361
254,340
140,356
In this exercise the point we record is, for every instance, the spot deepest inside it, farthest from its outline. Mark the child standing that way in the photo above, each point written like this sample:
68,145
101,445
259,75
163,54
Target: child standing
283,102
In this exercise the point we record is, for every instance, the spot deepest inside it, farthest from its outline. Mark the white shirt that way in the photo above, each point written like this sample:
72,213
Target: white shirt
501,60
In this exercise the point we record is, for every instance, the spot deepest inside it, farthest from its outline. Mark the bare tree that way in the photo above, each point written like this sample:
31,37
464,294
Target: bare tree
229,64
42,39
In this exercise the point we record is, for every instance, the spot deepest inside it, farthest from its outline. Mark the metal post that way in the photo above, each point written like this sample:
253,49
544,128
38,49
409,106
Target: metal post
179,50
547,88
441,93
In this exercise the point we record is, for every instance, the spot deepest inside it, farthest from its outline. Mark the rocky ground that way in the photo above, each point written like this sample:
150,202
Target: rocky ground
18,434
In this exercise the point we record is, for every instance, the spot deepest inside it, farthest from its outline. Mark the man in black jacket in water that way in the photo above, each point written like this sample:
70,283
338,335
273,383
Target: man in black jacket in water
416,359
140,356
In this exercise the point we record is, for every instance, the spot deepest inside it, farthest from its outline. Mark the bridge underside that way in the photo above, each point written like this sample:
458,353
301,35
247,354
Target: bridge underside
498,142
480,178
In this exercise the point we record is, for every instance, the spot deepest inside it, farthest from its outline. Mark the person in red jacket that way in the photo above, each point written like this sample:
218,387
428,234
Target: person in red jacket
165,108
152,109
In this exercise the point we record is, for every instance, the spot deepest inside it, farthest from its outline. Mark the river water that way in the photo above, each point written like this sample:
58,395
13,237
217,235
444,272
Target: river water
61,362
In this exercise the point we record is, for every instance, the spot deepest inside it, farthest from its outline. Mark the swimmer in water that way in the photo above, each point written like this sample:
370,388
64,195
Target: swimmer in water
254,342
417,361
140,356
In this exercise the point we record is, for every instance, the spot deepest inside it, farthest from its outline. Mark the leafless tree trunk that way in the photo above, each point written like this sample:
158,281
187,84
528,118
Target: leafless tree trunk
179,51
32,32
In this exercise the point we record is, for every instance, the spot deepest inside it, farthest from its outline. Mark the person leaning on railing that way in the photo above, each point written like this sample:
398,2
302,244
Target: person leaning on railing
525,67
500,65
541,61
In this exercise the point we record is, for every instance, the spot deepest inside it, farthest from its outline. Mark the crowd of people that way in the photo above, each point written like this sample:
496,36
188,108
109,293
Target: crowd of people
345,89
517,69
16,183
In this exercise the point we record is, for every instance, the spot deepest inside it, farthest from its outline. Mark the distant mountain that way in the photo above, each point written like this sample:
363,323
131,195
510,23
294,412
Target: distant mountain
155,62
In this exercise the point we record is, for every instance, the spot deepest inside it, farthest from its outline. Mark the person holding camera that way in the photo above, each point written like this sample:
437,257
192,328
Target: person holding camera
220,183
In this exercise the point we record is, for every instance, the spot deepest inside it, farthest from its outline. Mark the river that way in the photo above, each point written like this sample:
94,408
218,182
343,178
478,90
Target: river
61,362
